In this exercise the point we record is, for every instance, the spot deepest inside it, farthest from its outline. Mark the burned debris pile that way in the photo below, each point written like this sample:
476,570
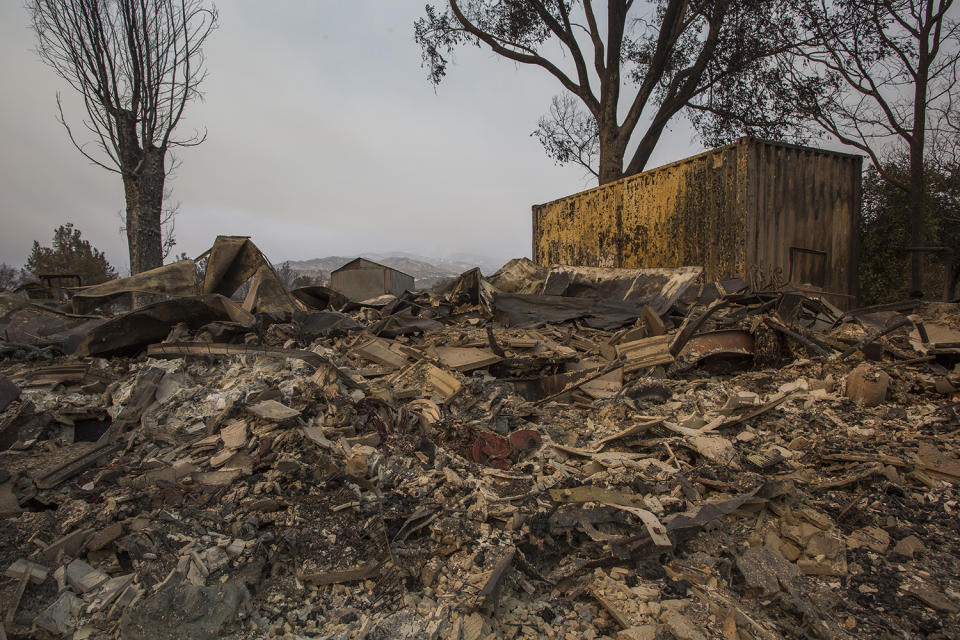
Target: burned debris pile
549,452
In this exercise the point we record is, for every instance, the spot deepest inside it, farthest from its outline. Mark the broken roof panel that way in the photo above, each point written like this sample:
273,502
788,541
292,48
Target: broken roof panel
659,288
461,475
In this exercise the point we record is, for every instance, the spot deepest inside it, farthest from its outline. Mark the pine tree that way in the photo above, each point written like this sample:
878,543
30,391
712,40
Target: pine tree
72,255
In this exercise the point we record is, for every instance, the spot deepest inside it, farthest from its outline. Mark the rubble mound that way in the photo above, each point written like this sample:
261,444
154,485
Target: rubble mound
678,461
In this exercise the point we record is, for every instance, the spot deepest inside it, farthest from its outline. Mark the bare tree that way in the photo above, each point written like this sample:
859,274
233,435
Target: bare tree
884,80
630,69
9,277
569,134
136,64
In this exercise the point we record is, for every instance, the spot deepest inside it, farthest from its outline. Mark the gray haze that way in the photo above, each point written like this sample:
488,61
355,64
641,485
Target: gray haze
325,138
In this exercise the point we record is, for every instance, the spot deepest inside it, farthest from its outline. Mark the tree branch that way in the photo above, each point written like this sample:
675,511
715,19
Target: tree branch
525,56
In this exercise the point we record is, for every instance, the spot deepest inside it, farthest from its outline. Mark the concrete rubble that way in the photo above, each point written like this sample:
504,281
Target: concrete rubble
556,453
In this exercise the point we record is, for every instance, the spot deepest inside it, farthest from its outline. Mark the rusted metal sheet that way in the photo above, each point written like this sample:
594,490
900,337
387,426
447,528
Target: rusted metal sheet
803,217
657,287
767,212
730,342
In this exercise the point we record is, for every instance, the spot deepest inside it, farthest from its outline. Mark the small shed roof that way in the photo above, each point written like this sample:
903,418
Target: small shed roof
363,263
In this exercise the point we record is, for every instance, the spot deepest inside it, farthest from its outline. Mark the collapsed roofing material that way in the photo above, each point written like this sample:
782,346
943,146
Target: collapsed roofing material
529,311
520,275
319,298
230,262
660,288
133,331
759,465
176,279
603,298
235,260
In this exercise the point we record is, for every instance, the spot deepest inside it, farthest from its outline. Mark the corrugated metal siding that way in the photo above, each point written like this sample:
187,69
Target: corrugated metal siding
807,200
361,284
400,282
687,213
582,228
735,211
684,214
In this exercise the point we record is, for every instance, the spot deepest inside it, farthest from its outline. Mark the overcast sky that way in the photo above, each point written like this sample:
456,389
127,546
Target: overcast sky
325,138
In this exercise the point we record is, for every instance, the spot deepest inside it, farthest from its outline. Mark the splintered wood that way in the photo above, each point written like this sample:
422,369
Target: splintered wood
465,358
644,353
379,350
659,457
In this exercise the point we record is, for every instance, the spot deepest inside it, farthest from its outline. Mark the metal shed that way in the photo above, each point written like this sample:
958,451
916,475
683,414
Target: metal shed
362,279
764,211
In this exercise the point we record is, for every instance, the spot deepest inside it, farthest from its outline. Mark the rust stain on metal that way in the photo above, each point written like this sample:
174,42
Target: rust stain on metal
523,439
767,212
730,342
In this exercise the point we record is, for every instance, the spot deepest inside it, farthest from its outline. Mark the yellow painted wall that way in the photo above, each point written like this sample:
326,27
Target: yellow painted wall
735,211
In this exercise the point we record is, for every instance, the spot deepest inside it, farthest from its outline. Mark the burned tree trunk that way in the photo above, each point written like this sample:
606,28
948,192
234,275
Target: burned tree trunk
143,171
611,156
143,189
952,277
137,65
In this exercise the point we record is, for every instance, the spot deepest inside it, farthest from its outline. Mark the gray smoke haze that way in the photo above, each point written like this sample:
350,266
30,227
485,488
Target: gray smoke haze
325,138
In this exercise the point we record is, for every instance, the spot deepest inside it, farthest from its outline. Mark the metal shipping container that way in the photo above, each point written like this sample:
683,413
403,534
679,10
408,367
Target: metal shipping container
768,212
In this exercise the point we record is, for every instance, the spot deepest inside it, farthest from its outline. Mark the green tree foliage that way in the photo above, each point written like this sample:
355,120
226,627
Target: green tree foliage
885,228
70,254
627,68
881,76
306,280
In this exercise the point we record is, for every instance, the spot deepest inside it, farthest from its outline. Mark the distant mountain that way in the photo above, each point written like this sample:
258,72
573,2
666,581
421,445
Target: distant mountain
326,265
458,262
427,272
